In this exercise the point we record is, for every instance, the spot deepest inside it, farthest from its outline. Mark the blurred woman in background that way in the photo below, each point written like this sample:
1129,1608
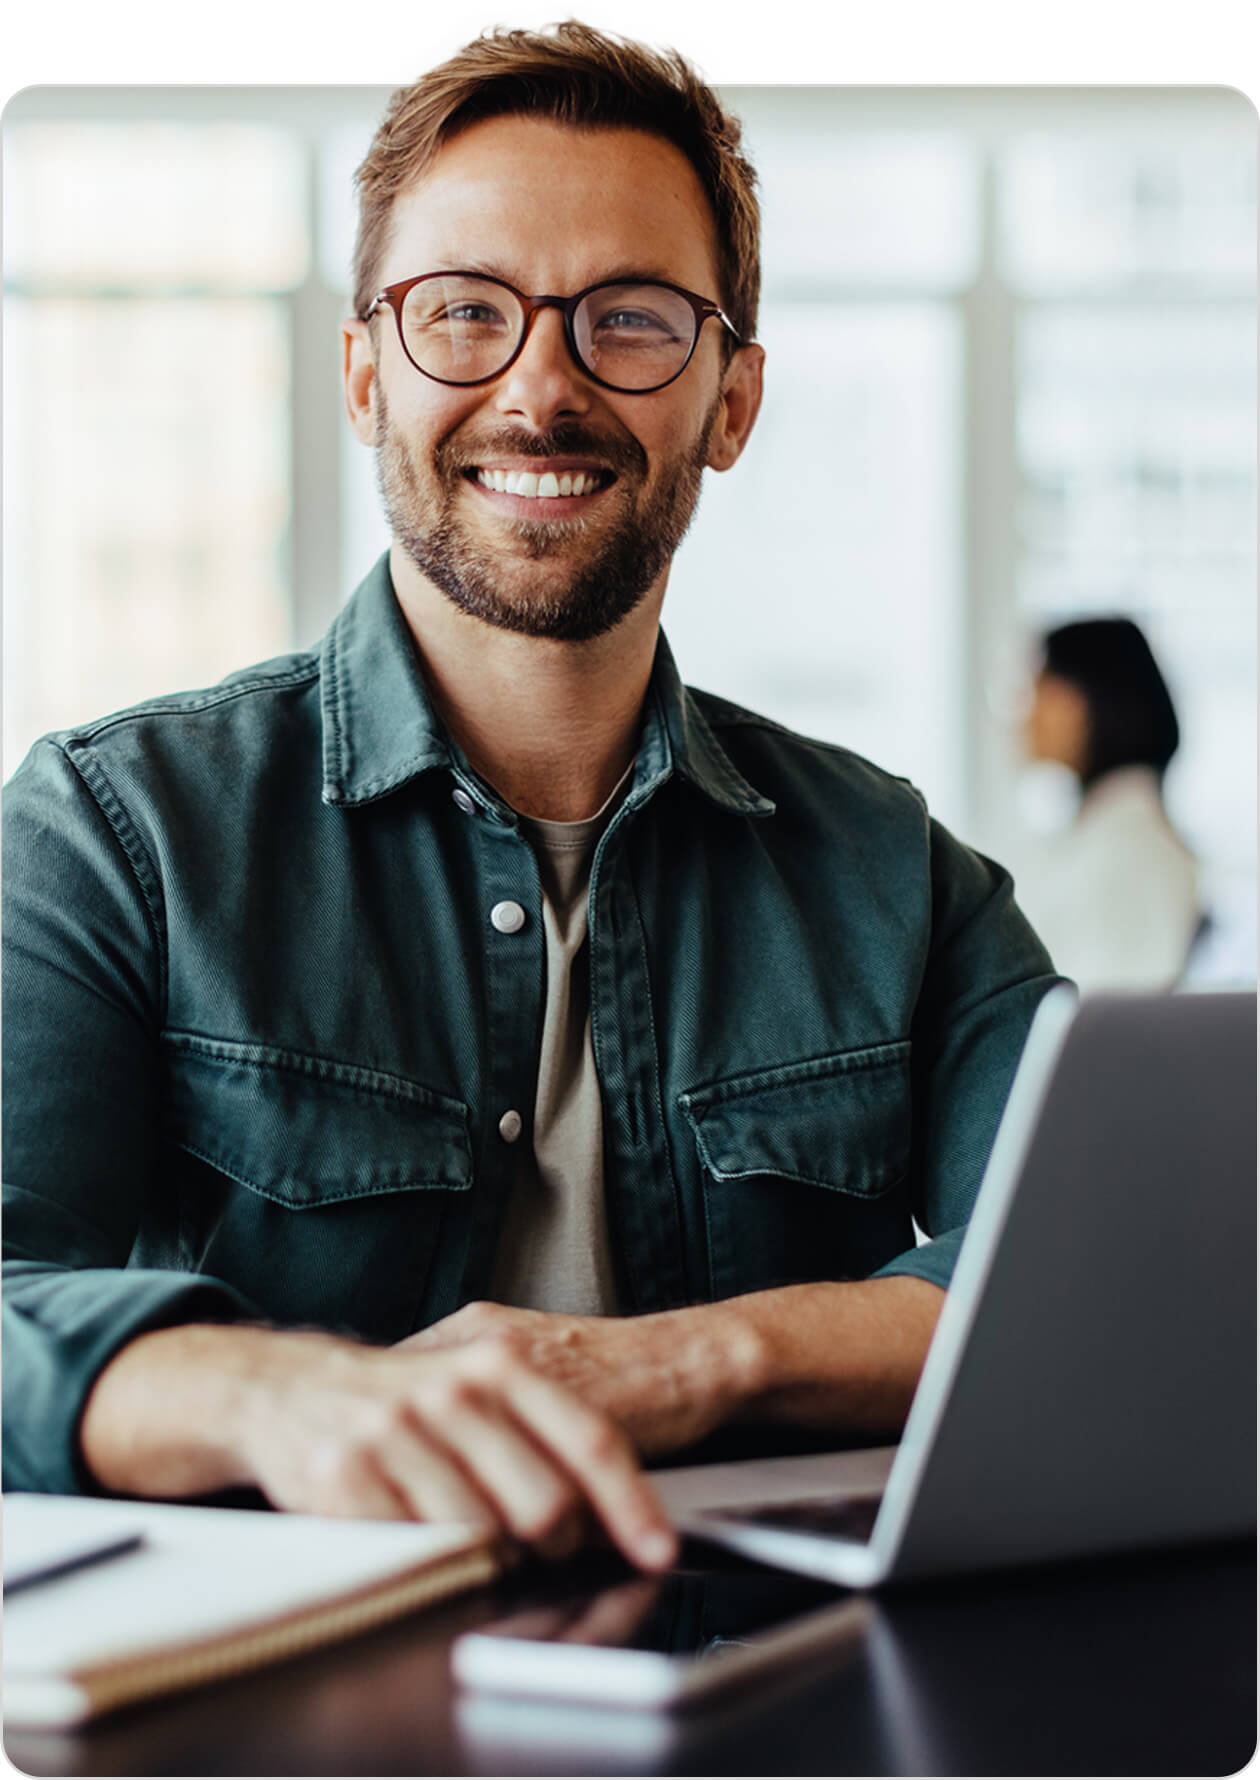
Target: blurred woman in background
1116,898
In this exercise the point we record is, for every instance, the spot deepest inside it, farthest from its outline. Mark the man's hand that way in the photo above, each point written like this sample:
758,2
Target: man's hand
327,1426
668,1379
835,1354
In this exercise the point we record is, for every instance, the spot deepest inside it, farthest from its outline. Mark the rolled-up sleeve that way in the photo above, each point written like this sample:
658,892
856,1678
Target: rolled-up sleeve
83,1006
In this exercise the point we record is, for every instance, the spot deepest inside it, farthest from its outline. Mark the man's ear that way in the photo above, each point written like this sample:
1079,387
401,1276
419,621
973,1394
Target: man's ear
358,378
740,402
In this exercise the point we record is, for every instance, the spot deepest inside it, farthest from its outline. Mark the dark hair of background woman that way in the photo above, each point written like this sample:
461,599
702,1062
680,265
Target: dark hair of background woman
1131,716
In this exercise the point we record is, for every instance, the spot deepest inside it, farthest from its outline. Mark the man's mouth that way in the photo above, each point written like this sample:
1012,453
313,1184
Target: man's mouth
545,485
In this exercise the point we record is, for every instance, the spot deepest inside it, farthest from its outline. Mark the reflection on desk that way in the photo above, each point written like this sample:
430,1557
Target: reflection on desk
1141,1665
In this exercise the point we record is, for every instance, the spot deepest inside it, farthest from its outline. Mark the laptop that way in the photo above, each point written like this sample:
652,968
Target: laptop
1091,1386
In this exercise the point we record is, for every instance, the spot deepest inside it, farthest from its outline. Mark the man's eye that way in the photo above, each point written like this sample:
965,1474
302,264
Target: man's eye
467,317
633,321
473,315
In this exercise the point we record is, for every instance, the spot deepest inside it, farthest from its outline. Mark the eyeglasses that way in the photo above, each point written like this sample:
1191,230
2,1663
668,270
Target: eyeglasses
461,328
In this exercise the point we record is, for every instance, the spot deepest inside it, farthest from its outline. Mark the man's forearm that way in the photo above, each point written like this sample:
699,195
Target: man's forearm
166,1417
835,1354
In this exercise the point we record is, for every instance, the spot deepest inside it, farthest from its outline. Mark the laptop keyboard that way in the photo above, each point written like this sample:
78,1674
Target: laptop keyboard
825,1517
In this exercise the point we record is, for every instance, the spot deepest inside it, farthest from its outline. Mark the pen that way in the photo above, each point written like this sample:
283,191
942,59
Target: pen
77,1560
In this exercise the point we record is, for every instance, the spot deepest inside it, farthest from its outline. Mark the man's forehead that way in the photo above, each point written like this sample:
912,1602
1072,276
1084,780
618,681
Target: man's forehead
510,138
509,183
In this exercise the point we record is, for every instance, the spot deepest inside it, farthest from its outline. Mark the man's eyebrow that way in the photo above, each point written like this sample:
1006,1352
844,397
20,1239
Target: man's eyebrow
617,274
486,268
638,274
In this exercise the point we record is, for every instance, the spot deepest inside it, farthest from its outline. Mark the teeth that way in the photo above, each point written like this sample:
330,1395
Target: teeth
535,487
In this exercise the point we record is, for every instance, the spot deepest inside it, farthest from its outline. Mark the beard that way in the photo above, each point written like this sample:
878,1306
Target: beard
591,589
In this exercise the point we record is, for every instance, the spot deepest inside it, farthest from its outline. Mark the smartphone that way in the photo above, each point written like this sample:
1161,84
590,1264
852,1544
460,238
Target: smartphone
661,1643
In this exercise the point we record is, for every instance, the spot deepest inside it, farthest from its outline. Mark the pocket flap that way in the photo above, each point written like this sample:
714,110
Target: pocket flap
307,1130
841,1121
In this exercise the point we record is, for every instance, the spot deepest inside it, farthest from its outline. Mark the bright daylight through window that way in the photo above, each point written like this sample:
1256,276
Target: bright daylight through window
1011,380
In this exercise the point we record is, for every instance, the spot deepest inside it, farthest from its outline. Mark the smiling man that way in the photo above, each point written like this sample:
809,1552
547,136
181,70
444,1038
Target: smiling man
447,1064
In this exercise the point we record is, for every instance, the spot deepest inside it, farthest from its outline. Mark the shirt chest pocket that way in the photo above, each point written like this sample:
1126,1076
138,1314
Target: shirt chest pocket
315,1187
805,1168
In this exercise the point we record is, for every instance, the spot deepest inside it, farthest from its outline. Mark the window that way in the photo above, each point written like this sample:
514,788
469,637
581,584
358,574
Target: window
1012,379
1132,264
822,582
148,394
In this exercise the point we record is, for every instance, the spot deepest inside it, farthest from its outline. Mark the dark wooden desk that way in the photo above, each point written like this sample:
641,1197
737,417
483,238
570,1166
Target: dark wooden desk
1132,1666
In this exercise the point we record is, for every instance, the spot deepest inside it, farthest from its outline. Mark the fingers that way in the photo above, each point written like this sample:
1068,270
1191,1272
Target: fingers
441,1441
374,1460
469,1433
461,1413
585,1446
431,1484
348,1486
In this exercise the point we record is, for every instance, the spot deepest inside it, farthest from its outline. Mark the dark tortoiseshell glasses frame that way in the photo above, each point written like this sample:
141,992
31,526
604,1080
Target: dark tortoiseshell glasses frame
393,297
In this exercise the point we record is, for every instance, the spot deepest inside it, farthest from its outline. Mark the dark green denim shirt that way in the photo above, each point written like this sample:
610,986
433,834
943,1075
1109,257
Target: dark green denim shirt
261,1029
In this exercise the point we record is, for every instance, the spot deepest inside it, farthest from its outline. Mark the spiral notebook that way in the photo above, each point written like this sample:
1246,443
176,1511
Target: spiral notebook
199,1594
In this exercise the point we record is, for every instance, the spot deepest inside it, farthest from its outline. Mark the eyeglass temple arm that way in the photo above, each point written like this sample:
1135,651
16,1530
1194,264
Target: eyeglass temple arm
729,325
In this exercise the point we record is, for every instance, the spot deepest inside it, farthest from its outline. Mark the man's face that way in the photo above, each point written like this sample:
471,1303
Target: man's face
549,209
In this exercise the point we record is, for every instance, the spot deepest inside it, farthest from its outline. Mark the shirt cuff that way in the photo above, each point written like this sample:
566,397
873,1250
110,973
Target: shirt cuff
933,1261
60,1332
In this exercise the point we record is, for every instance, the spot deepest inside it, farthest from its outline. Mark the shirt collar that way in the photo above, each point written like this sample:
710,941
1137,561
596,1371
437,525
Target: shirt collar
1123,786
381,730
676,737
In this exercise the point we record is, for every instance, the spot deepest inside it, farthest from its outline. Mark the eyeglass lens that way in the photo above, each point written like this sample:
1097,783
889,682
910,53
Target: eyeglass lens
462,329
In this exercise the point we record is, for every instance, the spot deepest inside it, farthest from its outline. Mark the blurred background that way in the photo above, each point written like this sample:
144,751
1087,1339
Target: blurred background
1011,381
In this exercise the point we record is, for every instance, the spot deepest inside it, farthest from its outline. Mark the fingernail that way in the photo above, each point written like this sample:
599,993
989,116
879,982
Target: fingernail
656,1549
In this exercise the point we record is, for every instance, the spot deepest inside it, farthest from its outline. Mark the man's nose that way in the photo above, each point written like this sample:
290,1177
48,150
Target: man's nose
544,382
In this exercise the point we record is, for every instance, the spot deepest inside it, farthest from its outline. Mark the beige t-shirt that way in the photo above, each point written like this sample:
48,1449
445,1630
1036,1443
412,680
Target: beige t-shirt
553,1251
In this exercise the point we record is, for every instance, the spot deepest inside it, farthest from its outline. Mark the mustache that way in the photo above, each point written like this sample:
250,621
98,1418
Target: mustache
618,452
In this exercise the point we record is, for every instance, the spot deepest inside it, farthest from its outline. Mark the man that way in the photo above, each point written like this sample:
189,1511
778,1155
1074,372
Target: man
446,1061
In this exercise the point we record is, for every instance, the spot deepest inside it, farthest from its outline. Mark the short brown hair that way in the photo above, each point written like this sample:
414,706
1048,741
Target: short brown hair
574,75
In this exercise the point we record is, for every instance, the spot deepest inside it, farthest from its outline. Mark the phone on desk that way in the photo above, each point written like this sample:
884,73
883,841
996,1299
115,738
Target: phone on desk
660,1643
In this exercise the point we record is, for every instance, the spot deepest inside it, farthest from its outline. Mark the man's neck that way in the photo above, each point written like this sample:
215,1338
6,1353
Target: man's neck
551,725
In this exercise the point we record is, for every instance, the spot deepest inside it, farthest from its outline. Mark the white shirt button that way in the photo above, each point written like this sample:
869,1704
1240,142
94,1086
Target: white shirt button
510,1126
463,802
507,917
